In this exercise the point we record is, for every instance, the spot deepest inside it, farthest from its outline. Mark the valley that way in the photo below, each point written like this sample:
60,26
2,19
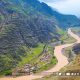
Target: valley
32,38
61,63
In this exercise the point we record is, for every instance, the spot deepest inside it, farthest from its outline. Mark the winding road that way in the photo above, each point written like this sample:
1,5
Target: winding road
62,61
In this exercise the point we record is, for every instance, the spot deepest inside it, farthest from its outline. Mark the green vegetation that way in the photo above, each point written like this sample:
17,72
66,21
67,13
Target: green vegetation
6,73
19,58
6,30
76,29
65,38
36,54
46,60
60,31
1,17
25,24
8,62
49,65
31,54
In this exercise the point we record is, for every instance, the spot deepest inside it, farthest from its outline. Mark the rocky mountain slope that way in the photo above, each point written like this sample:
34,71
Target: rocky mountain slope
27,23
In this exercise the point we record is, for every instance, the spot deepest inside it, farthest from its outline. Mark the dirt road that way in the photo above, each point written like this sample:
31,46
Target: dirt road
62,61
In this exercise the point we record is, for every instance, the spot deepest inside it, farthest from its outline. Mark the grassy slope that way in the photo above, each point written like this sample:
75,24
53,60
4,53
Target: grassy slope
29,55
34,57
76,30
65,38
45,65
32,53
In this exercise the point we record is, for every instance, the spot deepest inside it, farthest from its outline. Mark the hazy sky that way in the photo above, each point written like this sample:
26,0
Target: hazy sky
65,6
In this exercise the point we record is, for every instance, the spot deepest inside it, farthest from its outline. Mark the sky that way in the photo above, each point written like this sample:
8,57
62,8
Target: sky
65,6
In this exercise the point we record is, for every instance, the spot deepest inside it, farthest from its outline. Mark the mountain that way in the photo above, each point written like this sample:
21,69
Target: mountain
63,20
24,24
21,28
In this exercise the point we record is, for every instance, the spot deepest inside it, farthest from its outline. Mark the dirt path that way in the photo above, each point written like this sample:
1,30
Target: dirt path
62,61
